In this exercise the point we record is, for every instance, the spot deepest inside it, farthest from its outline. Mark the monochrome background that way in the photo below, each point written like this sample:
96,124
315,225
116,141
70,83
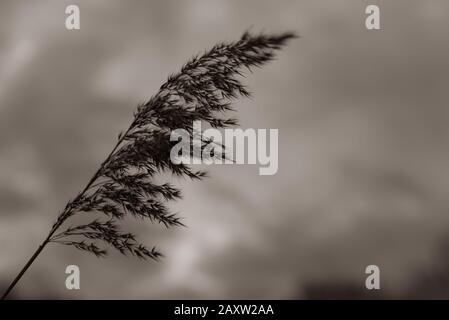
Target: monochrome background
363,148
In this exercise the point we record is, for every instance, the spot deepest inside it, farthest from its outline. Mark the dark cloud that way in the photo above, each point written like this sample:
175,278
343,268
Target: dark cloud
363,151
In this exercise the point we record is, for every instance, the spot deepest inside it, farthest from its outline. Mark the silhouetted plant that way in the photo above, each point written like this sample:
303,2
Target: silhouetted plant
123,185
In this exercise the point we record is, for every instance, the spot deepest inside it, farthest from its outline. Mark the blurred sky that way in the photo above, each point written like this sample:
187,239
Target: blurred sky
363,145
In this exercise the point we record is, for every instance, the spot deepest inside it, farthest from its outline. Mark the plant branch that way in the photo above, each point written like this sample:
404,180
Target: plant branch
124,184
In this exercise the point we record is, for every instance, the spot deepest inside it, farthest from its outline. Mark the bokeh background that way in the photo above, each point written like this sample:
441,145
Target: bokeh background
363,148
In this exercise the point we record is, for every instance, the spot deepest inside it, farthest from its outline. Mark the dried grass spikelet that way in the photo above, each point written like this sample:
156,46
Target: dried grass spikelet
202,90
124,184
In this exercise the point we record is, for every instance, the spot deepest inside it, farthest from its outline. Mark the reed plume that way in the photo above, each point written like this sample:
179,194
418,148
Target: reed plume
124,183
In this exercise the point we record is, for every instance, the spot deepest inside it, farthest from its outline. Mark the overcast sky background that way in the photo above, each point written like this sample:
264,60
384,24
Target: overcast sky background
363,147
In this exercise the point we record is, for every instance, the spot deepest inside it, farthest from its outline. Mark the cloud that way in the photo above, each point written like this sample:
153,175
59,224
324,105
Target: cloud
362,121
